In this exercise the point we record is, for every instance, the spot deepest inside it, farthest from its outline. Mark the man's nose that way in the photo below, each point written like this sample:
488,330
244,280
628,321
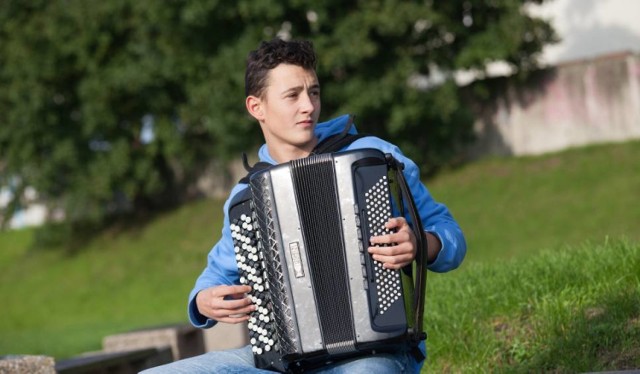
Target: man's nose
306,102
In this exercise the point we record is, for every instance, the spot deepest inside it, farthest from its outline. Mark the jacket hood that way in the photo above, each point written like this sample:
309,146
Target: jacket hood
323,130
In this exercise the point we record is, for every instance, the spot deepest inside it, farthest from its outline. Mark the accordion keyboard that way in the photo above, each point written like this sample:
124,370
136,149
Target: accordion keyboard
251,268
387,281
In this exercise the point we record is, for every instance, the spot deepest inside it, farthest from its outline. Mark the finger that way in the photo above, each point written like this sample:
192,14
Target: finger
222,313
233,319
231,308
393,238
396,222
235,296
393,262
232,304
381,239
217,299
391,250
230,290
395,256
403,236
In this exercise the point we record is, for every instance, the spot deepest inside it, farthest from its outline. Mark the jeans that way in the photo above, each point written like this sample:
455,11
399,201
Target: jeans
238,361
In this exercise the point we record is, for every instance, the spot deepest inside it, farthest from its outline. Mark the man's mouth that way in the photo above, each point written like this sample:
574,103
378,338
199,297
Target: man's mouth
305,122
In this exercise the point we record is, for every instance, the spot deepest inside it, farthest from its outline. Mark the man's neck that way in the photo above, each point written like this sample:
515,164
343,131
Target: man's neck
291,152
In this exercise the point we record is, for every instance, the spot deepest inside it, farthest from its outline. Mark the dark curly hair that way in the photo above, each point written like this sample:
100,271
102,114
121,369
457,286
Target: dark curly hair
271,54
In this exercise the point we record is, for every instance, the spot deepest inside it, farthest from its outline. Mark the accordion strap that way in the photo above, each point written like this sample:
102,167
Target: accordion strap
331,144
421,252
336,142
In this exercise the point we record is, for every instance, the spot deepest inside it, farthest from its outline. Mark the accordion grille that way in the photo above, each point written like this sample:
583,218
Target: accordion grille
317,199
284,330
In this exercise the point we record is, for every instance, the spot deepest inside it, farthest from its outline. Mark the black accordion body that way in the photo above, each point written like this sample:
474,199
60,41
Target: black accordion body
300,234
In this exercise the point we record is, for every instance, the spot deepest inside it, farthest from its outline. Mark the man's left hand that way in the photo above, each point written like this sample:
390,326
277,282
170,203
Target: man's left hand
401,245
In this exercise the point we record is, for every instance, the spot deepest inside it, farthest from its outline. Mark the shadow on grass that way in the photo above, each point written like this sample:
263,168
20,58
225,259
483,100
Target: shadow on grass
605,336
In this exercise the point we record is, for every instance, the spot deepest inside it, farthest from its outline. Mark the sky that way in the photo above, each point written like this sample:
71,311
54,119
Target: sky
589,28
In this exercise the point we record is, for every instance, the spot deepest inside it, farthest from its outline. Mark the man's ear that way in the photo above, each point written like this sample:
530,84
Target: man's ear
254,107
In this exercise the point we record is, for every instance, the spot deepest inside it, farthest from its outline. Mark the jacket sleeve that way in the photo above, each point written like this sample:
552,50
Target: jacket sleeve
437,220
435,216
221,268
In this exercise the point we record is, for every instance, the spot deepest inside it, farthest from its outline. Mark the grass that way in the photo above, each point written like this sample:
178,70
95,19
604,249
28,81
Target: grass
60,304
540,278
519,206
568,310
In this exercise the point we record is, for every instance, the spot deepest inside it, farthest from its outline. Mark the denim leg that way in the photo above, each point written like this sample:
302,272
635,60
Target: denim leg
385,363
239,361
233,361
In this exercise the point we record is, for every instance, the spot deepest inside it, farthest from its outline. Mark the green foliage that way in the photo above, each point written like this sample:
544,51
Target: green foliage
380,62
78,78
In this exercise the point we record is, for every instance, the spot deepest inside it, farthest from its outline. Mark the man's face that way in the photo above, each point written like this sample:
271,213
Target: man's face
289,109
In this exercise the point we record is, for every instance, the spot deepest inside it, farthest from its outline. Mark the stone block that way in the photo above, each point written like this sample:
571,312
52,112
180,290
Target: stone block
125,362
26,364
226,336
184,340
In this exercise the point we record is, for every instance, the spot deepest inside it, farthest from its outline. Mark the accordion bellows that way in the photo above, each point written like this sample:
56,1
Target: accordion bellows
300,234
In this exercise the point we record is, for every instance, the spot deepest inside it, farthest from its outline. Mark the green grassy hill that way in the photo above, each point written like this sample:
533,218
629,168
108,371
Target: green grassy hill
62,304
520,292
519,206
571,309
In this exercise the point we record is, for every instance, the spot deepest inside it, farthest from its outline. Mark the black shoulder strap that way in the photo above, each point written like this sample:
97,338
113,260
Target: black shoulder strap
420,279
260,165
336,142
333,143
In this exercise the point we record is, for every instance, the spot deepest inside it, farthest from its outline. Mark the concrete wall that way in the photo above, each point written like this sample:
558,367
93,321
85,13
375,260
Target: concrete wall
573,104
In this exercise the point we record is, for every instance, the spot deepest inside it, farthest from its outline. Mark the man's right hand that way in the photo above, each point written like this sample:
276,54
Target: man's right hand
228,304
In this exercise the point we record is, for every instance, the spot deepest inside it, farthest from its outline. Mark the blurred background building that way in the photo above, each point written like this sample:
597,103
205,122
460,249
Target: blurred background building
588,93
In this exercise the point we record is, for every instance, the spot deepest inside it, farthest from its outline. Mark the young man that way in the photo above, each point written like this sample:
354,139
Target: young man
283,95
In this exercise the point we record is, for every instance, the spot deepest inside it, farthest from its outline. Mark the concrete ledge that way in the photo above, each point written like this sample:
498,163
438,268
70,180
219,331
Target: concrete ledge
226,336
184,340
26,364
116,362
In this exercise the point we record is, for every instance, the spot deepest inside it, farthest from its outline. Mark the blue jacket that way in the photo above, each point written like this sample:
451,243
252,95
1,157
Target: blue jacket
221,266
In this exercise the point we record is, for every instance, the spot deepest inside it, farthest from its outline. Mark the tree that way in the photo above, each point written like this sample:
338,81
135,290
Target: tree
85,85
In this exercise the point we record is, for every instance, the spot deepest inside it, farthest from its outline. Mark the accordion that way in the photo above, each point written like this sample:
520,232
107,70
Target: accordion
300,234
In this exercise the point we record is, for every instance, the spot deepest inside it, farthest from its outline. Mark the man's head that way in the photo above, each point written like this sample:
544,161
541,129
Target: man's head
271,54
283,95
